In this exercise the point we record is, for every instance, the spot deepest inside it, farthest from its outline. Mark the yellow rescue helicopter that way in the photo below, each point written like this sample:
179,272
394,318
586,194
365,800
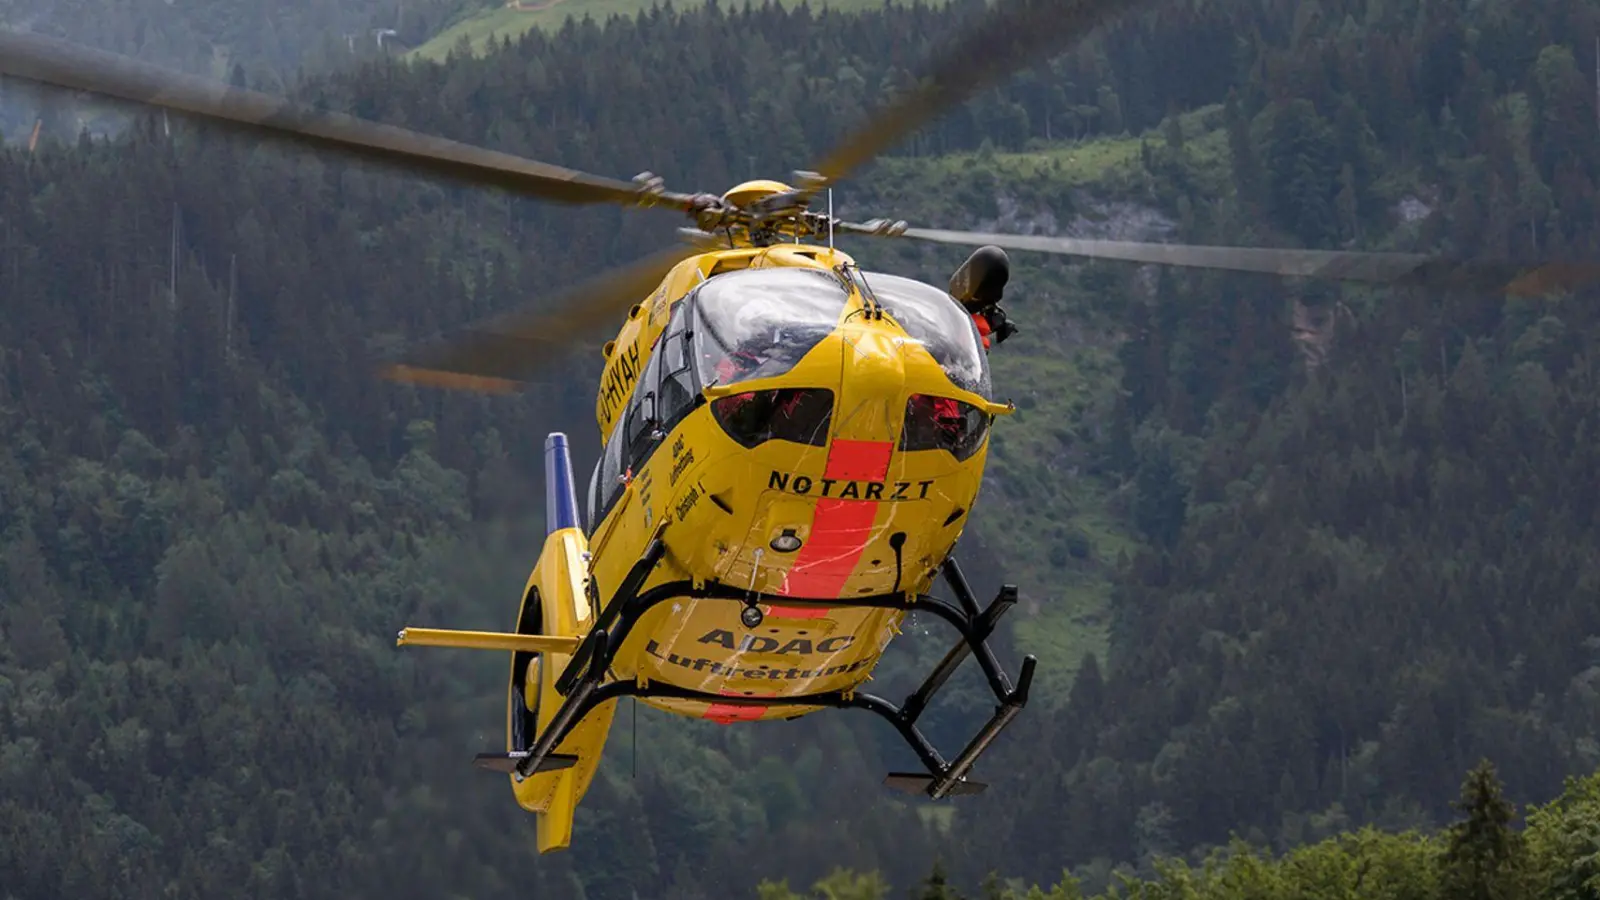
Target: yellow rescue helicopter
793,445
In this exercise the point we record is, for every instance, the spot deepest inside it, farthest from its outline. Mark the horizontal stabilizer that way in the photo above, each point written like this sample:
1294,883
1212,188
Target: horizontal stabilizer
506,763
485,640
912,783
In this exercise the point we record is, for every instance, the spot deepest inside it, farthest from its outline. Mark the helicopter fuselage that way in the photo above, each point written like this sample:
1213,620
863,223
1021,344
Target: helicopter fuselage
789,427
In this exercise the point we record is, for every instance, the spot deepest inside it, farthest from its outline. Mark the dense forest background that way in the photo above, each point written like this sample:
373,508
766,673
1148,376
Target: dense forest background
1297,557
270,40
1484,852
274,45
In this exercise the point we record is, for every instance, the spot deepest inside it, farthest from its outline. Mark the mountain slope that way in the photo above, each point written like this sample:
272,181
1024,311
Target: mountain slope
211,36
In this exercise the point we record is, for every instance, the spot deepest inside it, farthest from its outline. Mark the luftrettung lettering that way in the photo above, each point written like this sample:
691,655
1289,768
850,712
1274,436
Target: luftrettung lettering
770,674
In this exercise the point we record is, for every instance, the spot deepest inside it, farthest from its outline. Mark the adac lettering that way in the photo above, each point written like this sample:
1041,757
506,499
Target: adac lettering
806,486
621,375
680,463
772,674
658,304
643,484
756,643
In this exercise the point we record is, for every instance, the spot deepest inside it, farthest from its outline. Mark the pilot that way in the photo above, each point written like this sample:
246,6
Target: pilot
737,364
993,326
938,422
769,350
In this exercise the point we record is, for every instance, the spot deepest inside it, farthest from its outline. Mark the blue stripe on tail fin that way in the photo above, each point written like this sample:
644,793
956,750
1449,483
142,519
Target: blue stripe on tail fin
560,492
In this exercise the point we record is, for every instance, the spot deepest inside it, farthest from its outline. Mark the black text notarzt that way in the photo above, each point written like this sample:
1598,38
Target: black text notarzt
840,489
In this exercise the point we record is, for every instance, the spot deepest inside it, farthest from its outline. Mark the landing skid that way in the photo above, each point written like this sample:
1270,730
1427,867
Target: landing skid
583,683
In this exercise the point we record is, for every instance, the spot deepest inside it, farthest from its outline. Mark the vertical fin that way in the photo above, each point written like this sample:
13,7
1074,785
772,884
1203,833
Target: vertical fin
560,491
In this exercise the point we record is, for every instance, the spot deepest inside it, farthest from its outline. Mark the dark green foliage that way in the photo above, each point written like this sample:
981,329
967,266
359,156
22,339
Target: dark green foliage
1303,172
1560,840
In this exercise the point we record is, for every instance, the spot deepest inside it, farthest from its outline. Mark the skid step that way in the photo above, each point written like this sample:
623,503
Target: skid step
914,783
506,763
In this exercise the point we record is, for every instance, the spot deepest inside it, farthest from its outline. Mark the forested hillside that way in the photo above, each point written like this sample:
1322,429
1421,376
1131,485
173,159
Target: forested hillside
1359,577
480,30
271,44
210,36
1325,550
1485,852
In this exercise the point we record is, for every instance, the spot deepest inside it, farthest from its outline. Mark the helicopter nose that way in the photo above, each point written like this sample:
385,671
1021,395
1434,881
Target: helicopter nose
846,513
870,406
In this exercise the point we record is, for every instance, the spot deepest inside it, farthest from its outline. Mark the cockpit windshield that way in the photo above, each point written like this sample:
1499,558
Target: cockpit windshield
758,323
934,318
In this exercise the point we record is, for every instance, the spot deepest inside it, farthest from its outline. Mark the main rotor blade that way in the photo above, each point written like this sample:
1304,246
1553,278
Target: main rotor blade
1528,278
494,354
1016,34
48,61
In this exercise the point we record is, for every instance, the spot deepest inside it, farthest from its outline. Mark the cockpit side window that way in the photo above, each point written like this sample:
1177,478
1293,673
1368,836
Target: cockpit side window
678,395
592,506
942,423
607,485
759,323
641,434
934,318
635,436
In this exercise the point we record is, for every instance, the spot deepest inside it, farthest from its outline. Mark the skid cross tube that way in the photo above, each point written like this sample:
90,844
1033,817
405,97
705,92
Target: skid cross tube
584,686
942,779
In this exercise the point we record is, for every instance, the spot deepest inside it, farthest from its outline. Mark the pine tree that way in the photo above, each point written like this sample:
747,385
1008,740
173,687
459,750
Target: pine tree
936,886
1484,859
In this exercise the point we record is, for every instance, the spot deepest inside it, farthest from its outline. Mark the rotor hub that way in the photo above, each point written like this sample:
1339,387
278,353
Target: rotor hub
750,193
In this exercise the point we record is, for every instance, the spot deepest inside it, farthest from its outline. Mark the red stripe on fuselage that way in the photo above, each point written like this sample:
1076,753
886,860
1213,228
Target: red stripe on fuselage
840,529
729,713
858,460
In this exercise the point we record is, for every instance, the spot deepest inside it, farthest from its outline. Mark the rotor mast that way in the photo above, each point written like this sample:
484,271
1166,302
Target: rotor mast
762,213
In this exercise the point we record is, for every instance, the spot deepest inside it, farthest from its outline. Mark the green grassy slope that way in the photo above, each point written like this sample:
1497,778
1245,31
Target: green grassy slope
512,21
1063,528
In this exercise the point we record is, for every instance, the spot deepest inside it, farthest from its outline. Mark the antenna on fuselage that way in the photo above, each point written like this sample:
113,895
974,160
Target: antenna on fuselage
831,212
